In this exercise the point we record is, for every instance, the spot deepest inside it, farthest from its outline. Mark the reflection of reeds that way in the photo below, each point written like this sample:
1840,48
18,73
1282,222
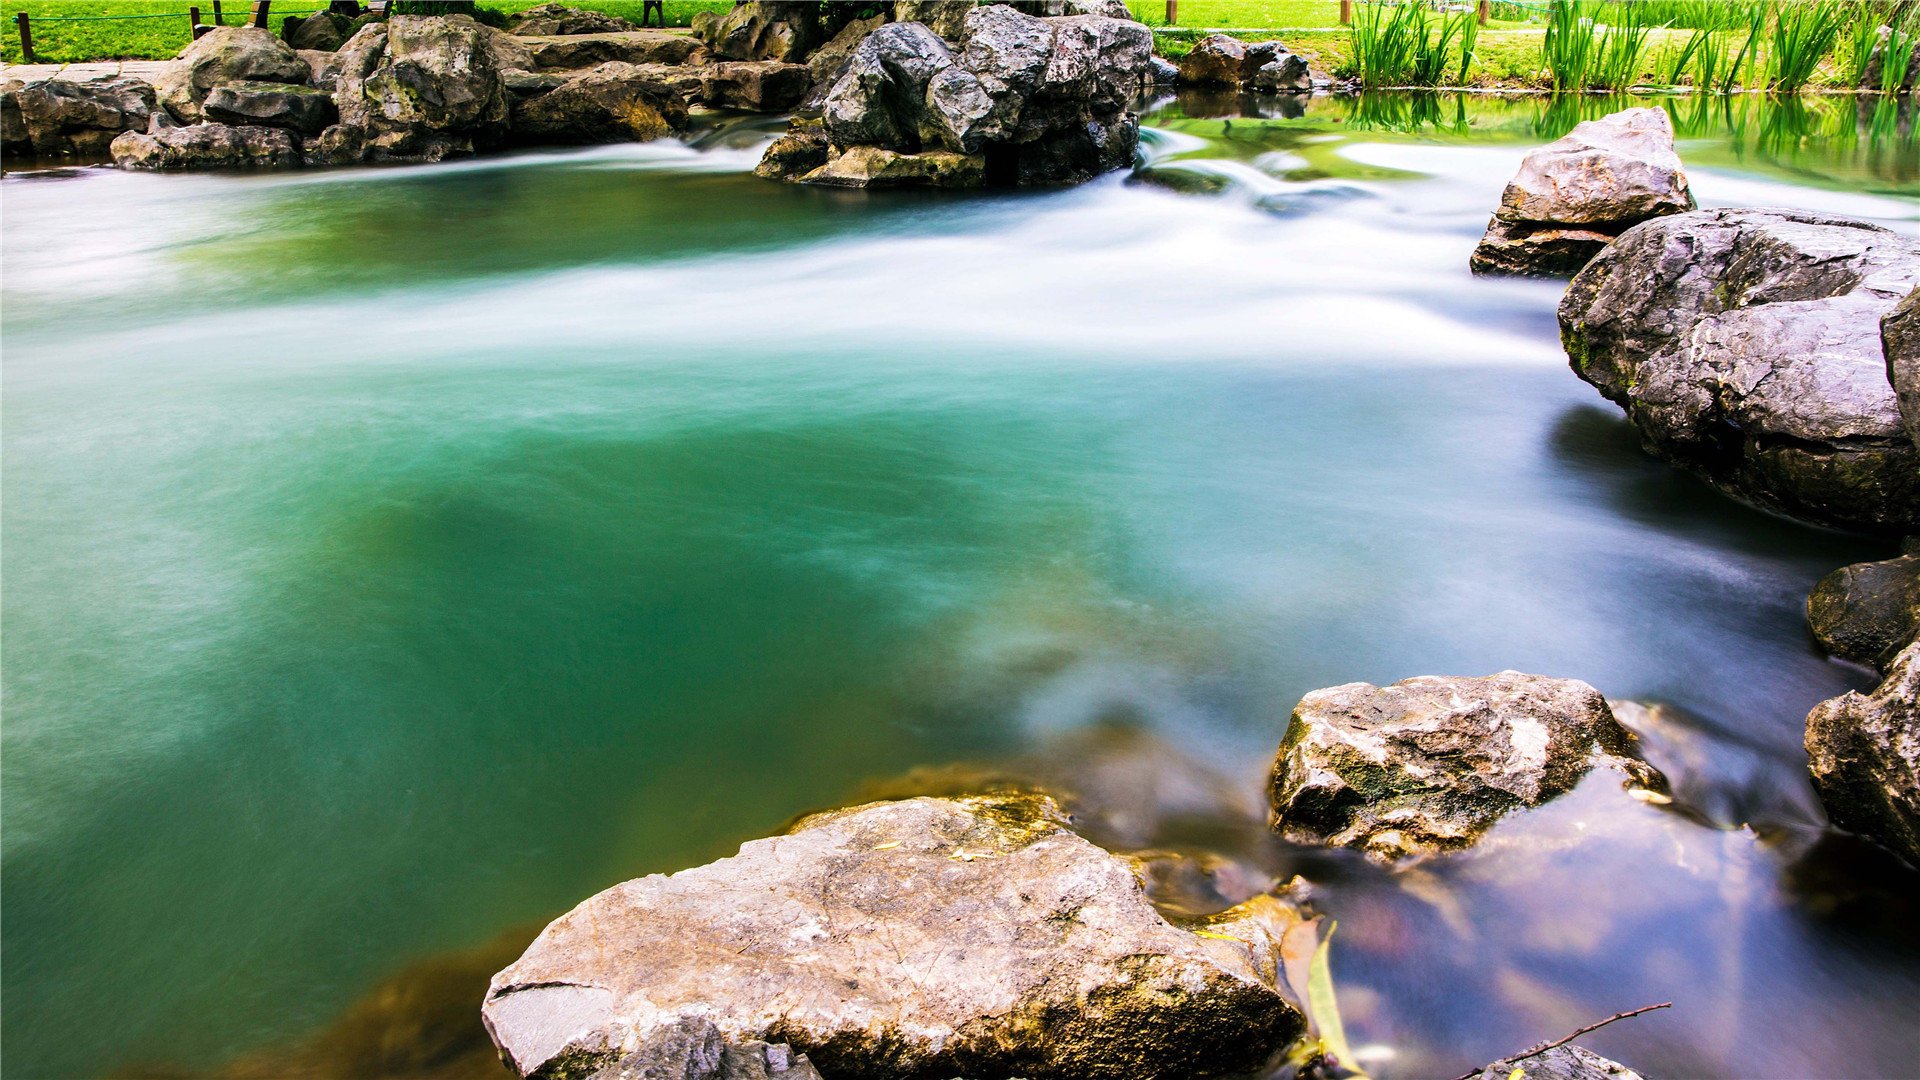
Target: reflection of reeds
1408,112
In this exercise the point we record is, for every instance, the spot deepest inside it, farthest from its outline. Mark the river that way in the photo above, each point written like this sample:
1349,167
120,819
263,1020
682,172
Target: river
395,557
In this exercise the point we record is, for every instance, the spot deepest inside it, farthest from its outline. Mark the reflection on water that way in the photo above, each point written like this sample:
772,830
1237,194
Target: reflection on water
397,556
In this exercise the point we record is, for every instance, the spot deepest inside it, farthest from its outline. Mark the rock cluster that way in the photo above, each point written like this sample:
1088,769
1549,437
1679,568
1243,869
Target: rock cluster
1024,100
1746,345
1428,764
1261,66
1572,197
58,116
928,937
1864,753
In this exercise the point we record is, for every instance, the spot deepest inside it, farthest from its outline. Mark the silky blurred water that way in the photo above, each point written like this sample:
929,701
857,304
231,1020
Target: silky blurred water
397,556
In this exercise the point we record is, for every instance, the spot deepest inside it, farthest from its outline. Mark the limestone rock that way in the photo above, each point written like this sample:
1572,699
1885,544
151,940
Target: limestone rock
1560,1063
614,102
555,19
871,166
1745,345
1571,197
422,88
801,150
1430,763
920,938
225,54
1864,753
1900,342
881,99
826,62
322,31
323,69
946,18
55,116
574,51
206,146
785,30
755,85
1867,612
298,108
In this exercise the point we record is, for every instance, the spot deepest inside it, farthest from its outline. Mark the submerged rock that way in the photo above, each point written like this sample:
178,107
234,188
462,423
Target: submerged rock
614,102
1560,1063
56,116
225,55
1572,197
1864,753
1869,611
1746,346
1430,763
923,938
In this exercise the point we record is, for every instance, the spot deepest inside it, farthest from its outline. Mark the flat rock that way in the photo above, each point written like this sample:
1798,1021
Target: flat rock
872,167
1869,611
923,938
754,85
573,51
1864,753
1746,345
1559,1063
207,145
1430,763
305,109
1572,196
225,54
615,102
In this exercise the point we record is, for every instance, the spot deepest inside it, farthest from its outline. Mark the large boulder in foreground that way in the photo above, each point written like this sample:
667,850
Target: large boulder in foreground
1864,753
1430,763
418,88
1745,345
224,55
1572,197
924,938
1560,1063
58,117
1042,100
1869,611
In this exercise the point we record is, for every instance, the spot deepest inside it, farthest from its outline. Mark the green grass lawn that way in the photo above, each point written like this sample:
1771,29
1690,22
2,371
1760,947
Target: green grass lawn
125,38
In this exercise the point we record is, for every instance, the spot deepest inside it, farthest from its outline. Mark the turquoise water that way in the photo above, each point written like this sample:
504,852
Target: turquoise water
397,556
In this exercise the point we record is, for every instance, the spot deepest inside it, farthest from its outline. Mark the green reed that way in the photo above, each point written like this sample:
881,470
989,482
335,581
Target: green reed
1898,57
1754,16
1404,47
1803,34
1571,42
1617,57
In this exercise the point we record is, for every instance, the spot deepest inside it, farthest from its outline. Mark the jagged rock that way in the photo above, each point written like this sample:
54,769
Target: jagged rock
554,19
947,18
801,150
826,62
55,116
755,85
1874,73
881,99
783,30
225,54
205,146
1745,345
1573,196
614,102
1430,763
926,937
1867,612
980,99
1900,342
323,69
871,166
1864,753
422,88
1111,9
323,31
577,51
1560,1063
1275,70
298,108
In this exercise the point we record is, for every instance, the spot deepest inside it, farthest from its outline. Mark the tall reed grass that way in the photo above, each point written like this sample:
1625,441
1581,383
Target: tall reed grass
1402,45
1803,34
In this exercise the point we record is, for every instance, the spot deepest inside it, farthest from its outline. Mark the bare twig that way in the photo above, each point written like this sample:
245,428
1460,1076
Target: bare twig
1544,1047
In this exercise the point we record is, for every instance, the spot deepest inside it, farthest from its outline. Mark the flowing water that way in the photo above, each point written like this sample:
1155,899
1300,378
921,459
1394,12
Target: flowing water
394,557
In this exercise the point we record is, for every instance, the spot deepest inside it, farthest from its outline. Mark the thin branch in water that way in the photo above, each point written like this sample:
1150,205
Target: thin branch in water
1544,1047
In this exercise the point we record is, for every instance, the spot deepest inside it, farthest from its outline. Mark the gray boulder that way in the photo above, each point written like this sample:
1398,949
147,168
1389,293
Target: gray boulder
614,102
56,117
1560,1063
304,109
882,98
1572,197
946,18
1003,62
419,88
1162,72
1745,345
556,19
1267,67
827,62
1867,612
1900,342
1430,763
223,55
206,145
1864,753
322,31
928,937
323,69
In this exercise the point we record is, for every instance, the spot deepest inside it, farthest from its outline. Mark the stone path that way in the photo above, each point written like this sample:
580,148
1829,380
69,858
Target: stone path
88,72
